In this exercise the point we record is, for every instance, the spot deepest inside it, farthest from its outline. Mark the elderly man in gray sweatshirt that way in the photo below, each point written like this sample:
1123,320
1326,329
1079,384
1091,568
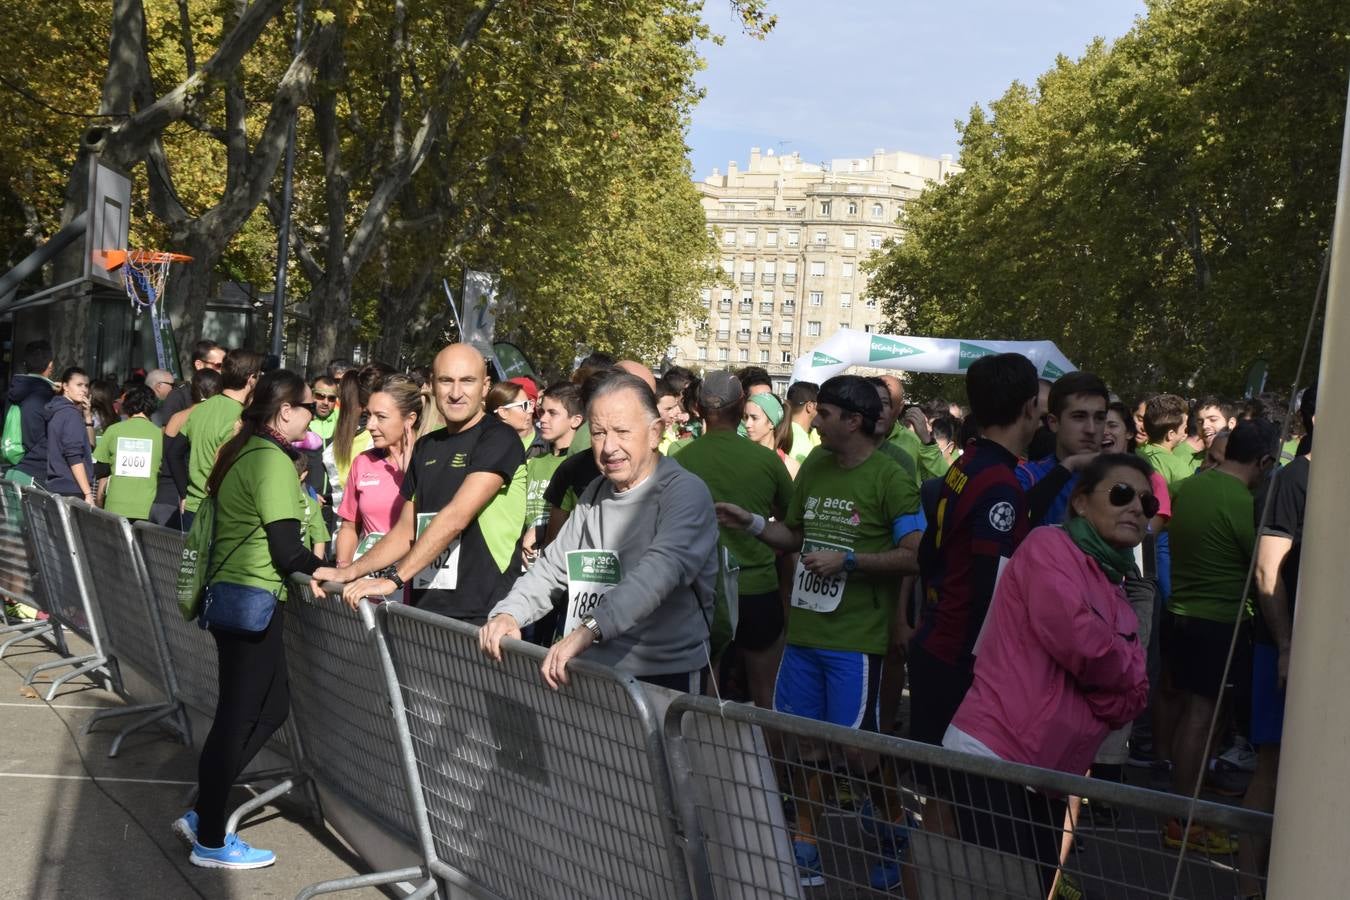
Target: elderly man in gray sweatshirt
637,558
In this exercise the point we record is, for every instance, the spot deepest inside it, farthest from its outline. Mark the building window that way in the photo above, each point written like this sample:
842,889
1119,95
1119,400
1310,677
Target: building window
727,264
871,302
824,207
817,297
743,355
818,269
794,238
764,356
749,239
821,238
703,354
721,354
852,208
790,273
706,294
846,270
765,330
874,241
765,307
729,238
770,239
813,329
850,240
869,328
845,301
878,211
787,357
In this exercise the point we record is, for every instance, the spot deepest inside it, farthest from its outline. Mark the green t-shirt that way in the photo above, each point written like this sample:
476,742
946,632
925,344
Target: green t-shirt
1166,463
1191,459
901,458
676,448
803,442
312,528
581,440
538,472
1212,535
209,425
752,477
133,449
855,509
324,428
261,487
908,442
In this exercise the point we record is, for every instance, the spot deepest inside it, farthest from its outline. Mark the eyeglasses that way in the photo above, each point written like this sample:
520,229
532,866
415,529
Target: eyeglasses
217,366
329,397
311,407
1120,494
527,405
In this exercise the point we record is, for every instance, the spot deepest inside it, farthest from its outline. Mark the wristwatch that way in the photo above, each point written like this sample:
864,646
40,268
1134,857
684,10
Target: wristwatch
391,572
593,626
850,561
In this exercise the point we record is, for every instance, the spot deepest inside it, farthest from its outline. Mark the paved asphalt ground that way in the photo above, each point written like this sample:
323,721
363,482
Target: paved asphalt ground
76,824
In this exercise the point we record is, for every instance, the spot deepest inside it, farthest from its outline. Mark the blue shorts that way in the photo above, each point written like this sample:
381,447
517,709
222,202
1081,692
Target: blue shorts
837,686
1267,696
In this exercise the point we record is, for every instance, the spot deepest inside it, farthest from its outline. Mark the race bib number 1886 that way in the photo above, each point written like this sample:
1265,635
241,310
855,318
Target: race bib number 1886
591,574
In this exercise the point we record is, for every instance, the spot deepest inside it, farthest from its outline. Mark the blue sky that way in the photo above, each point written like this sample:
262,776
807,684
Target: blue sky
838,78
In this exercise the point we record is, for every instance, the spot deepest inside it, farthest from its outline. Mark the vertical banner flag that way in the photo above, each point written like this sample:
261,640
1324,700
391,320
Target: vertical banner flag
943,356
479,320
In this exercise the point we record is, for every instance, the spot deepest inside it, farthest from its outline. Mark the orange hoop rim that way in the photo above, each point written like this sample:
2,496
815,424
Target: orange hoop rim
114,259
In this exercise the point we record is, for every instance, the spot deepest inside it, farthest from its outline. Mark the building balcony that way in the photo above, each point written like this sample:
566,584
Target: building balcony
785,339
742,337
768,278
766,308
723,335
789,309
747,278
746,308
766,337
789,279
724,305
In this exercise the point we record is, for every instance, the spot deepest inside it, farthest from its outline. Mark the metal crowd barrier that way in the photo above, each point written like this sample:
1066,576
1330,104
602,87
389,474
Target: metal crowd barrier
66,588
120,590
976,827
533,793
347,706
19,579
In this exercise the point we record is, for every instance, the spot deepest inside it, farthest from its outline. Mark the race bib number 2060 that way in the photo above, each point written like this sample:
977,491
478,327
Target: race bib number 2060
132,457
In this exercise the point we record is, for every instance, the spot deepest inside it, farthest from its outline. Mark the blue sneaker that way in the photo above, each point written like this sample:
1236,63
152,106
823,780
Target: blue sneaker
185,826
894,835
236,854
885,875
808,863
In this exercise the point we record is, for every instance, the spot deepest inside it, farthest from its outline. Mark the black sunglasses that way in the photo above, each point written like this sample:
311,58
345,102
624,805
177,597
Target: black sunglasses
1120,494
319,396
312,407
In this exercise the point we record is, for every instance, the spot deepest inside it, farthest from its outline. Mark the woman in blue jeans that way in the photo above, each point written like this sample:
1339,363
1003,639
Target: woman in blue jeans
257,546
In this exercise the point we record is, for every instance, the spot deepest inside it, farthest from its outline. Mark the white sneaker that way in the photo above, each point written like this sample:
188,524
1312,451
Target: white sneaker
1241,756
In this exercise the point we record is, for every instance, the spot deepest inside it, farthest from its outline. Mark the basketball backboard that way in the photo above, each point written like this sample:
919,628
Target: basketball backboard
109,222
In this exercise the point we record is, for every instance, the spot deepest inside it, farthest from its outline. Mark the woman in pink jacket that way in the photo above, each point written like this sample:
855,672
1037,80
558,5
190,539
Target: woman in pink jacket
1058,664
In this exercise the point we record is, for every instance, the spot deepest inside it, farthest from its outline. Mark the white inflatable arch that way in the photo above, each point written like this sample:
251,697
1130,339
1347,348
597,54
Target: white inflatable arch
942,356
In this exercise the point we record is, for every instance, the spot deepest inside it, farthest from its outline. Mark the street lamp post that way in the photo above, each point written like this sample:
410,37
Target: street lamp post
284,228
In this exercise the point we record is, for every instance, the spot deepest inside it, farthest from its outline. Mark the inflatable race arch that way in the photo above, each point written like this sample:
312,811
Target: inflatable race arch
942,356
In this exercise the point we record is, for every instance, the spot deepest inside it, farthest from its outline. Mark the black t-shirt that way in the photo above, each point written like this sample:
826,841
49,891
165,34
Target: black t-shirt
440,463
1290,487
576,473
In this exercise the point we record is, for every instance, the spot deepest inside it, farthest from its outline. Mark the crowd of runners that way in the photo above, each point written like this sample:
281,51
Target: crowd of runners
1054,573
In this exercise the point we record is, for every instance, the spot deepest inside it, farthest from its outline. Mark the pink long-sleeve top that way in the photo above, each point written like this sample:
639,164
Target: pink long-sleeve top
1059,661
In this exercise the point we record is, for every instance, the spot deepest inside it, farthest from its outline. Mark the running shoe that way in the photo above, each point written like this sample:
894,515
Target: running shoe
1066,888
185,826
888,834
809,869
1240,756
236,854
1200,839
1141,755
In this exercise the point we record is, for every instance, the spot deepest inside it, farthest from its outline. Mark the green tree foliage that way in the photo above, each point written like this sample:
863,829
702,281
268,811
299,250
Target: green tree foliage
1160,208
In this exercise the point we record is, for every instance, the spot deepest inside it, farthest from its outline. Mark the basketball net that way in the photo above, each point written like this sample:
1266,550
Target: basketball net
144,274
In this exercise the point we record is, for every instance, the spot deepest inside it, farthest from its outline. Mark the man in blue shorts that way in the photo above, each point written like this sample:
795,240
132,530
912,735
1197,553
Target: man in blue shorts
854,517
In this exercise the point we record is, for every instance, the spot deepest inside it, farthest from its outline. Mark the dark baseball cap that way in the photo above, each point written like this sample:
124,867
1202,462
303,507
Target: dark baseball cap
852,394
720,390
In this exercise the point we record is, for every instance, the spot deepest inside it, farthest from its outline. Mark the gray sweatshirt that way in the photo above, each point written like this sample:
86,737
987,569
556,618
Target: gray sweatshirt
655,620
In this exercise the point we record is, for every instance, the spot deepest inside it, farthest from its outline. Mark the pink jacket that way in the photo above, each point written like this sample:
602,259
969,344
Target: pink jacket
1059,663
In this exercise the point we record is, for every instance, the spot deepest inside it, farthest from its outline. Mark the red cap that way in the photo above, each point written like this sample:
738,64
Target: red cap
527,384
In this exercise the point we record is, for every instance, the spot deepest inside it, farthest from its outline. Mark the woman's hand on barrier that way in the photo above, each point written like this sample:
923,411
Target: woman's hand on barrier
358,590
490,635
554,667
316,588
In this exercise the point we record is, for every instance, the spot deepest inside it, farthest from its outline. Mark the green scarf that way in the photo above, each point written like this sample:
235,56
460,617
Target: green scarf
1117,564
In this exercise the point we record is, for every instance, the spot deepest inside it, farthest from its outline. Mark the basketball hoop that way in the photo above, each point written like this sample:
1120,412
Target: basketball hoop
144,273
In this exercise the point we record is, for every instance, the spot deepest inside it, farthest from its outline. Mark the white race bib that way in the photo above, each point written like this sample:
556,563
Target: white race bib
443,573
591,574
131,457
365,544
818,593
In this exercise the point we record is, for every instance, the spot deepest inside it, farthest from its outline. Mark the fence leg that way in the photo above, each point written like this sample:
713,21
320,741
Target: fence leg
82,665
374,879
266,797
157,711
22,633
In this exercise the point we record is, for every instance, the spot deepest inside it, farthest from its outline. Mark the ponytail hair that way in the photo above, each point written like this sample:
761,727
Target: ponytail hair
354,392
274,390
406,394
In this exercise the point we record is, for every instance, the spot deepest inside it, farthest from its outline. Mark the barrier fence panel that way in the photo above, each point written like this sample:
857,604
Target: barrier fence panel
134,635
20,581
65,581
347,709
534,793
889,814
